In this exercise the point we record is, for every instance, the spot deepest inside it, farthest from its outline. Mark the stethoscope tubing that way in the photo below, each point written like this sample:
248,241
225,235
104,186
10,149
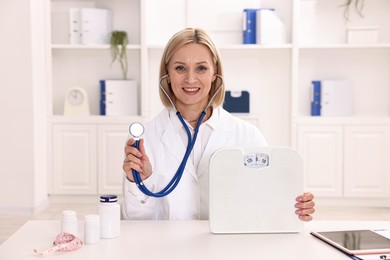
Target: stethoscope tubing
179,173
191,142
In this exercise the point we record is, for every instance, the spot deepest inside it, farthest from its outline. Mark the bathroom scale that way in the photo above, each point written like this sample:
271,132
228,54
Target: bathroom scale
253,190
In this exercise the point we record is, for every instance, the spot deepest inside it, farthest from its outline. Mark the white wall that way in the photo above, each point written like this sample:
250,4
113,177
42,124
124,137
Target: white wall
23,187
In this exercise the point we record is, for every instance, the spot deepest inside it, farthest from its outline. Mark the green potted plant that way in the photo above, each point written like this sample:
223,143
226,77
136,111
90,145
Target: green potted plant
358,5
118,43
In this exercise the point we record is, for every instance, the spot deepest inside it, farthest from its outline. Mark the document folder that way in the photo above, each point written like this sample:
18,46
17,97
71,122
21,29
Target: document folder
236,101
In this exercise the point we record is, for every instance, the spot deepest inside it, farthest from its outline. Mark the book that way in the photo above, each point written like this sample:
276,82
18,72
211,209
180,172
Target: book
249,26
336,98
356,242
95,25
120,97
316,98
236,101
270,30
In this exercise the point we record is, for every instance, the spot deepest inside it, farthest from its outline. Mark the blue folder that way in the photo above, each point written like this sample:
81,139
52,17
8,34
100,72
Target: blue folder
316,98
102,97
249,26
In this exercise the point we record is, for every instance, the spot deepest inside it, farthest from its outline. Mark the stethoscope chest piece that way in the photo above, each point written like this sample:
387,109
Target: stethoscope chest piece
136,129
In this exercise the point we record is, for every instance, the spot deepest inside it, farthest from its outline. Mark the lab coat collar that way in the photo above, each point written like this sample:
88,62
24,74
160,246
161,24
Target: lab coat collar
222,131
212,121
176,121
169,125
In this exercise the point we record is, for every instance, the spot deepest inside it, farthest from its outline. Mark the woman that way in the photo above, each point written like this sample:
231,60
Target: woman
191,79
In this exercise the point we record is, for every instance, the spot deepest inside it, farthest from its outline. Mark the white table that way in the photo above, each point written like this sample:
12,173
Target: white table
182,240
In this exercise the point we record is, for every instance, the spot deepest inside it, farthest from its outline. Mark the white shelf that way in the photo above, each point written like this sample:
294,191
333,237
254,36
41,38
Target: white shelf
346,46
318,120
95,119
90,47
235,47
254,47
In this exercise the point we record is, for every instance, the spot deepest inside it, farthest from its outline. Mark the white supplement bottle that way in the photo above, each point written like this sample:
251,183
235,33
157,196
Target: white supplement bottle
91,229
109,212
69,222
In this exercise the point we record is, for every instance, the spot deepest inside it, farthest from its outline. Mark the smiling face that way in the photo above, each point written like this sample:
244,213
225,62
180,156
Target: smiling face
191,71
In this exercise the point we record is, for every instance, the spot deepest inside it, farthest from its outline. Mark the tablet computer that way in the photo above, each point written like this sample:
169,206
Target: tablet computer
356,242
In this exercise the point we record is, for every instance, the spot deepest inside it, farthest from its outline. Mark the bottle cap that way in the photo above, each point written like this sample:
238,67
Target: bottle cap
69,214
108,198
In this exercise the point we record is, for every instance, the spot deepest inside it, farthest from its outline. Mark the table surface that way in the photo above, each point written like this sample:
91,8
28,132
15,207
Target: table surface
182,240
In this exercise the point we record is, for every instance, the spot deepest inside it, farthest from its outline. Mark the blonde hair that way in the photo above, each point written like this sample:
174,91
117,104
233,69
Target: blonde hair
191,35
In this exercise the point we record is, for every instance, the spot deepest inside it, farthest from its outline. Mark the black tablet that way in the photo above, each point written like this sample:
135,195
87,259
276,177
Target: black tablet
356,242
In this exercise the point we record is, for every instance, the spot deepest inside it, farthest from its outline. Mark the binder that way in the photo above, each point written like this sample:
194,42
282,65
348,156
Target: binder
316,98
74,26
336,98
249,26
270,30
121,97
95,26
236,101
102,97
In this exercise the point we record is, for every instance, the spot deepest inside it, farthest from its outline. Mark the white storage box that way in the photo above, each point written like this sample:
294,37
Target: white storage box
362,35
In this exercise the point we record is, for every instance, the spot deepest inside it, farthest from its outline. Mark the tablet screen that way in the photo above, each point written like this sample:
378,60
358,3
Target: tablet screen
358,239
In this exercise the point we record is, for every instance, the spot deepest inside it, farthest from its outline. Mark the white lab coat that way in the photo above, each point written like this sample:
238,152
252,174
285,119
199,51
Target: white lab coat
190,199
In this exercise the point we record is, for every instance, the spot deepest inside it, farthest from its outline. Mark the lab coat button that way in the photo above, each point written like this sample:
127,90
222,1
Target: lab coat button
195,216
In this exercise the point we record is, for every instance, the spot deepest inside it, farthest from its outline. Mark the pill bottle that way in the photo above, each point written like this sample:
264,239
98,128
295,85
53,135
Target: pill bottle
109,212
69,223
91,229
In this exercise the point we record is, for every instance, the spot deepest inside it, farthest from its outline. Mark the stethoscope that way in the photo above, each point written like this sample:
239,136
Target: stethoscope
137,129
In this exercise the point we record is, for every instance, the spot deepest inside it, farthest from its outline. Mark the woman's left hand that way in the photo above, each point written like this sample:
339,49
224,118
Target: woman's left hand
305,206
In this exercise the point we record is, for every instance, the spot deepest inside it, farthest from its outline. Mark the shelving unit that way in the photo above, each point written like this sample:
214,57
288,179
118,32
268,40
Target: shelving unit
278,78
86,152
345,157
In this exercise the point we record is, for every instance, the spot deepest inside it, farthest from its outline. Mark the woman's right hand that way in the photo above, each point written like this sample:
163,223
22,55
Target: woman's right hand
137,160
